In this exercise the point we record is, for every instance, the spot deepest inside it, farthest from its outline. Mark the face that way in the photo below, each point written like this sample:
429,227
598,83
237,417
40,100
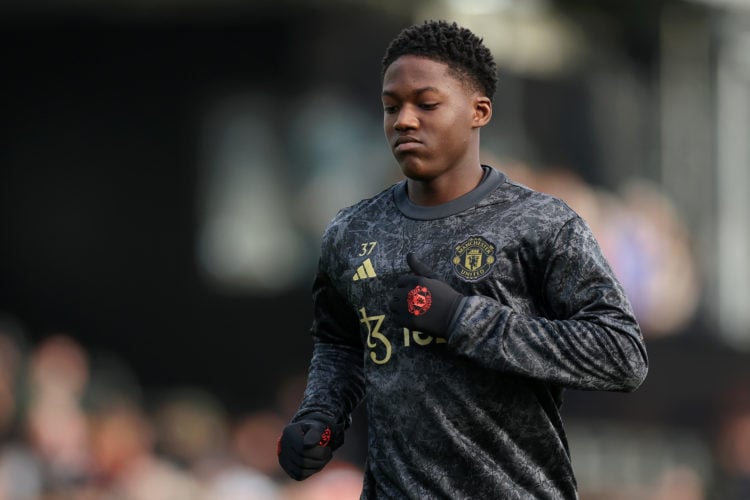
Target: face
431,118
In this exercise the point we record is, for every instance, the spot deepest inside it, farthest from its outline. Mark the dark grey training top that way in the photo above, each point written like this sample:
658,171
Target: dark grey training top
476,416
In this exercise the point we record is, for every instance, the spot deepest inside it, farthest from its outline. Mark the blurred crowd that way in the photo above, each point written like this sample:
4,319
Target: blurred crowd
76,425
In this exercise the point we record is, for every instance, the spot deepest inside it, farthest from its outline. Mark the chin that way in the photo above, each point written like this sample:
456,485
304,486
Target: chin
417,175
416,170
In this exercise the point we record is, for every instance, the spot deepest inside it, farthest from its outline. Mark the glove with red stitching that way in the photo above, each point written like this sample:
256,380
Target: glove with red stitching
306,446
422,301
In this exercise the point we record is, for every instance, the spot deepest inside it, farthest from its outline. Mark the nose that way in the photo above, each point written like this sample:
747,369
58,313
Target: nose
406,119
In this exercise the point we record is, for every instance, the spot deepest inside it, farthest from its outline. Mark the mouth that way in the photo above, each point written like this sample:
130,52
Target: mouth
405,143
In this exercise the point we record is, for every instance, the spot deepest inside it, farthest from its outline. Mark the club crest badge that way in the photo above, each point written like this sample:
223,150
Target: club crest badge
473,259
419,300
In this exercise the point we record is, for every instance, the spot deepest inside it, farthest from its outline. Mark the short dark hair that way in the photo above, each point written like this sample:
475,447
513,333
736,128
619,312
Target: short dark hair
459,48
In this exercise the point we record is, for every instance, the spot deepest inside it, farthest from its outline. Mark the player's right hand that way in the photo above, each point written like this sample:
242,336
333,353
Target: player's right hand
304,448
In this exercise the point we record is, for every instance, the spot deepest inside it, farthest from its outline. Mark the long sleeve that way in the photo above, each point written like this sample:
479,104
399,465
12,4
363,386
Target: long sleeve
335,384
589,339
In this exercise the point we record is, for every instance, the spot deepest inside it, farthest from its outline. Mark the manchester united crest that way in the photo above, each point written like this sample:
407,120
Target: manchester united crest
419,300
473,259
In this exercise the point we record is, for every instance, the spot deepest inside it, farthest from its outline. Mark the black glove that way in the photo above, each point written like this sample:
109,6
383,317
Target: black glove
305,447
423,302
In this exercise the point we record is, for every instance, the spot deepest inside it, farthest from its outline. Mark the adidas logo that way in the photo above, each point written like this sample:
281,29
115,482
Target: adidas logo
364,271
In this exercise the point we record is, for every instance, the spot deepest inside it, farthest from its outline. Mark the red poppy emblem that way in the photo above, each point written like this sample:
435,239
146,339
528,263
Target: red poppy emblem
325,438
419,300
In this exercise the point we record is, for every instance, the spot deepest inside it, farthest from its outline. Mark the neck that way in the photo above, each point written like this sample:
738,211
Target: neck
444,188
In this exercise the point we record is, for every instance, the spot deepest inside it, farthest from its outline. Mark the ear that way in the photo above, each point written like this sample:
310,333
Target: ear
482,110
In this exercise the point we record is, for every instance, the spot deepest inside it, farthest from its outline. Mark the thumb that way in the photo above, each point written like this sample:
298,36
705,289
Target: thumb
418,267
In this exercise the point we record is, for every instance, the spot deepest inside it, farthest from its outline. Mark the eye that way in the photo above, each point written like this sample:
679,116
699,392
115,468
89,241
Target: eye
428,105
389,109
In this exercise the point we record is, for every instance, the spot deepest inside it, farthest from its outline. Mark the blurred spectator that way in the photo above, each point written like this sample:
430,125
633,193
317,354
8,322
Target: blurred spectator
654,255
191,428
55,423
124,463
231,461
249,469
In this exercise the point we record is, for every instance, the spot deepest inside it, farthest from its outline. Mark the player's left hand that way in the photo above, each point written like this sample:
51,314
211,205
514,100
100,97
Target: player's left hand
422,301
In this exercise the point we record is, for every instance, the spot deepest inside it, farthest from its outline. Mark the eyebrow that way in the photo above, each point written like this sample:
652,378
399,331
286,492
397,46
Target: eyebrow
415,93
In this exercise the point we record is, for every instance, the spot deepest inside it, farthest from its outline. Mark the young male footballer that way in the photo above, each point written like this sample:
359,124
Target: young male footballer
457,305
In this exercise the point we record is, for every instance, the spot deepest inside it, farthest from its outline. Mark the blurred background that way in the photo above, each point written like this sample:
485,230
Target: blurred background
167,168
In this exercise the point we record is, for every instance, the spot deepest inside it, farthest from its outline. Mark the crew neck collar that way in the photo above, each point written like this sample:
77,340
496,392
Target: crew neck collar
490,180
